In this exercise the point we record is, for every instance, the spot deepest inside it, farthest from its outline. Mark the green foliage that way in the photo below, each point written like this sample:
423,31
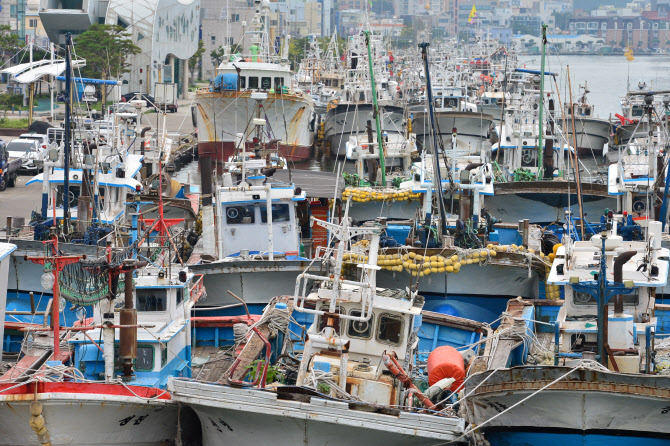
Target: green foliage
106,49
7,101
323,388
9,123
256,367
296,50
196,57
219,55
9,42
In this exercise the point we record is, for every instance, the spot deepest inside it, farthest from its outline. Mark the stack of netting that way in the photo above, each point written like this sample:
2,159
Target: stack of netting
87,282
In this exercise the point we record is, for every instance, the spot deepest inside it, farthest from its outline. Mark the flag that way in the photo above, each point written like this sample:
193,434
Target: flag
473,14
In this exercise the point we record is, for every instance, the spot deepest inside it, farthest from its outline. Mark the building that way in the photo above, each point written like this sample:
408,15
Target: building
313,18
166,31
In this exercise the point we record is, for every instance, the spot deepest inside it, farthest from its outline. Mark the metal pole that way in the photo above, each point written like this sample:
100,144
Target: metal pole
602,281
53,83
540,149
66,149
375,110
576,161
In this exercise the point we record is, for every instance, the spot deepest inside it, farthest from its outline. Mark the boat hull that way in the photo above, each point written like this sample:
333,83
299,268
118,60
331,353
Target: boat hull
544,202
591,135
472,129
586,407
345,120
233,416
221,116
85,414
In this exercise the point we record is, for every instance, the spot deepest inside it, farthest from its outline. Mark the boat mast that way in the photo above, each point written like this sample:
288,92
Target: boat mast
375,109
437,177
540,149
66,148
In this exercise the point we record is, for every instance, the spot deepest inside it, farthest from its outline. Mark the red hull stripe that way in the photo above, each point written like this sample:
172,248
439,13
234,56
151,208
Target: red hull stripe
81,388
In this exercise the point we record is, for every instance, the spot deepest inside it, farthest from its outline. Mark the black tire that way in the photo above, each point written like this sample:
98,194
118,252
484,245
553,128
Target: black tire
12,181
3,183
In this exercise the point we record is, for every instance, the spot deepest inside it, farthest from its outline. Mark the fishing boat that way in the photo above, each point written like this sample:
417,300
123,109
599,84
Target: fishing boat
255,251
351,380
354,111
108,371
455,115
225,109
585,375
591,133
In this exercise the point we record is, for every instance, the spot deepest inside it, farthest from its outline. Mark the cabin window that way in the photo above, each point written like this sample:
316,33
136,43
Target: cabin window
74,192
279,82
180,295
145,358
390,329
453,103
164,353
151,299
631,299
587,112
266,83
438,103
335,83
280,212
253,82
240,215
360,329
243,82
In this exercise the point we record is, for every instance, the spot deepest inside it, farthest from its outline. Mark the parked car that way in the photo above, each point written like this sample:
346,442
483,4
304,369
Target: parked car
140,96
39,137
28,150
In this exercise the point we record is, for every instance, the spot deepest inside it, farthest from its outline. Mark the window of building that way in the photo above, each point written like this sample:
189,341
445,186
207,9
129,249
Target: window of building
360,329
266,83
213,40
145,358
389,329
253,82
234,17
280,212
240,215
12,10
121,22
151,299
32,23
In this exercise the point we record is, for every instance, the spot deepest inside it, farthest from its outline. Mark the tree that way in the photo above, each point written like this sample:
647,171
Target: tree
9,42
196,58
217,56
106,49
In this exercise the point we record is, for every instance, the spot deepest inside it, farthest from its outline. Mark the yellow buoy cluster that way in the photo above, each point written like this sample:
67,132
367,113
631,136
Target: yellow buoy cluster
553,292
369,194
510,248
419,265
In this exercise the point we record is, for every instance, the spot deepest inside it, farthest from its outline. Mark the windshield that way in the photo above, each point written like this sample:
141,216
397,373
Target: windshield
20,146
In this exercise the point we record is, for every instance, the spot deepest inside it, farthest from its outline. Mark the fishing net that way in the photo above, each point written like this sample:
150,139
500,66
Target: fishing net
87,282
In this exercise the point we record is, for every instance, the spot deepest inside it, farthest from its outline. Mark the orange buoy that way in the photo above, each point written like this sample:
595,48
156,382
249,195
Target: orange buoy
446,362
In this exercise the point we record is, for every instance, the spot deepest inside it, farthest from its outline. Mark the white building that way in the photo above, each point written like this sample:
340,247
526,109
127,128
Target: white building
167,31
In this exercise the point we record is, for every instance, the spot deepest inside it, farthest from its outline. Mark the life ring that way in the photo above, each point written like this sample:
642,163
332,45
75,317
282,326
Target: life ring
482,76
